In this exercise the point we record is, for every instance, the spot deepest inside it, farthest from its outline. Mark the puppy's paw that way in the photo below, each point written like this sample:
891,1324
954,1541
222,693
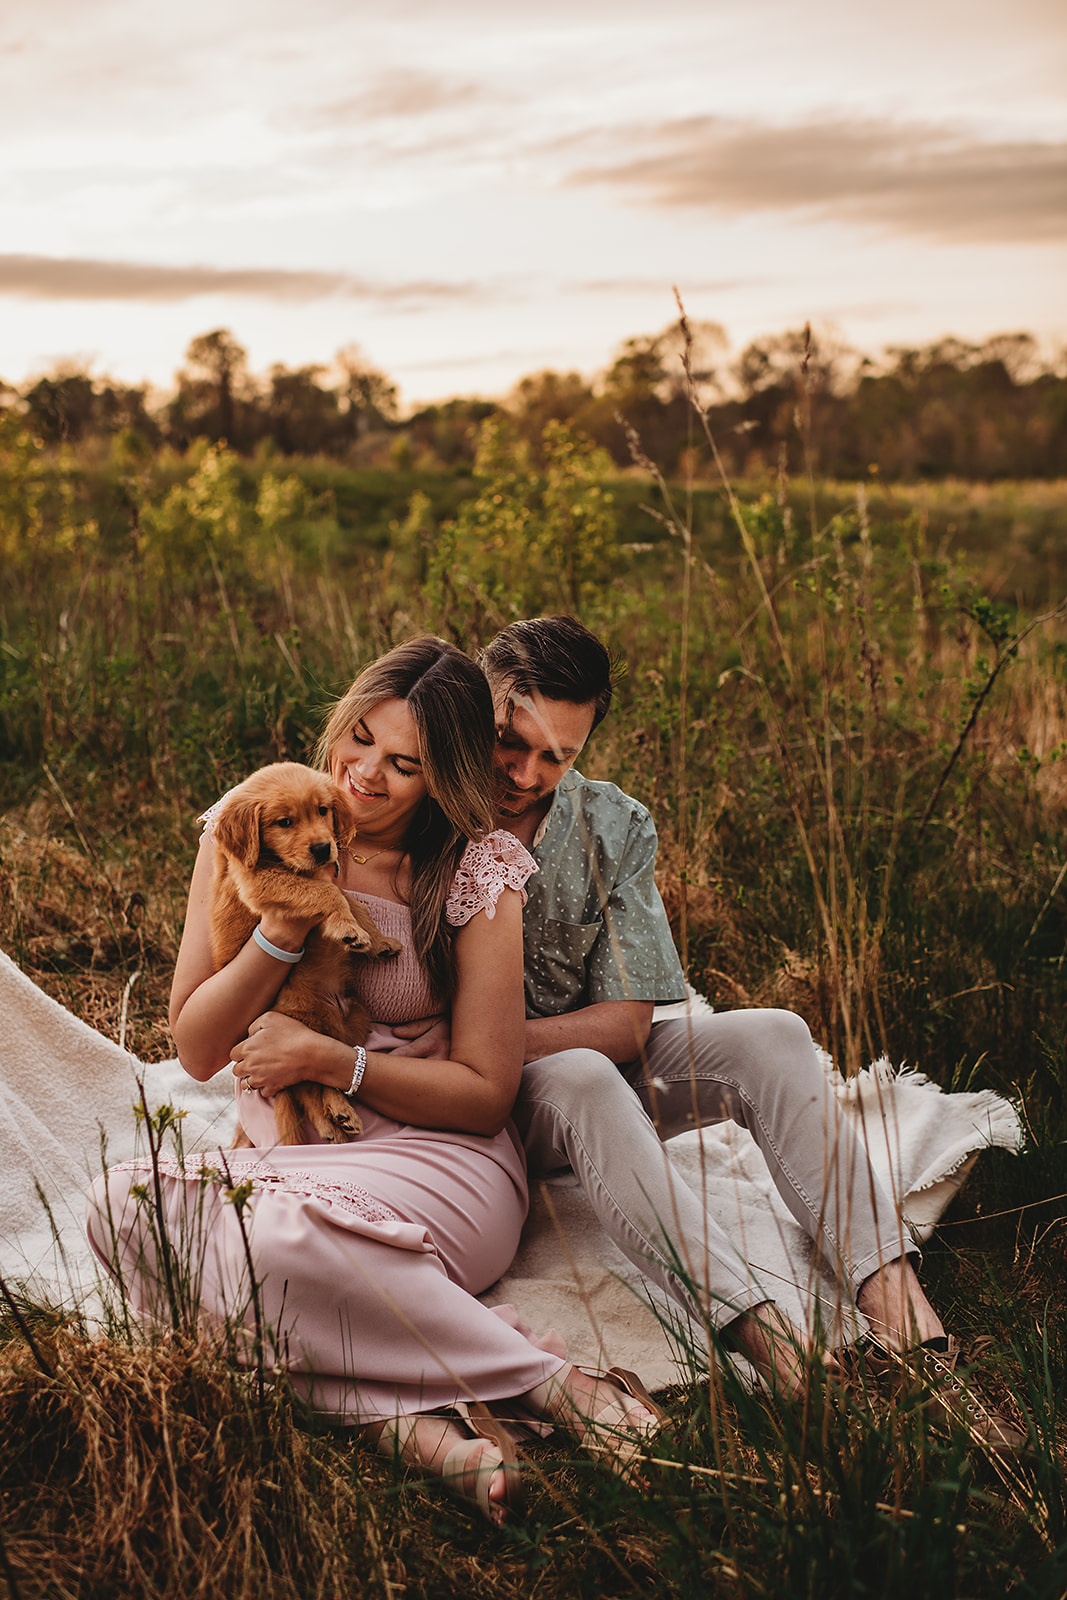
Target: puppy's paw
385,949
342,927
345,1119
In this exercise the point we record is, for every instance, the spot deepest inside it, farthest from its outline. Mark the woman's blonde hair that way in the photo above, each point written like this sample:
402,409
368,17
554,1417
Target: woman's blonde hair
452,709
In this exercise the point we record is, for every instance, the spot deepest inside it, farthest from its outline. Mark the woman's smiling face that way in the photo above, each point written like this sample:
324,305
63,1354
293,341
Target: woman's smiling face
380,770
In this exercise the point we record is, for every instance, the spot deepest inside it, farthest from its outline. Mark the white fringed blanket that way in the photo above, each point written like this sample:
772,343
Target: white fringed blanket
67,1088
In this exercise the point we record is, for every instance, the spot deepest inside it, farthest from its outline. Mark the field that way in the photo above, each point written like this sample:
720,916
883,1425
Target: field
848,712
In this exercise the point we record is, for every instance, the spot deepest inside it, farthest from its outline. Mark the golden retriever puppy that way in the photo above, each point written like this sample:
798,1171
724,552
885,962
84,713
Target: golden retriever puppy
273,832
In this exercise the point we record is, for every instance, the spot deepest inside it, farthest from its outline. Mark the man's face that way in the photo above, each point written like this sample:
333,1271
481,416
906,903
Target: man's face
537,741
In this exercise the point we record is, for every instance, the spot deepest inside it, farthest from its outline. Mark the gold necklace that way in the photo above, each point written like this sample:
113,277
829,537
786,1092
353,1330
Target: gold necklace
361,861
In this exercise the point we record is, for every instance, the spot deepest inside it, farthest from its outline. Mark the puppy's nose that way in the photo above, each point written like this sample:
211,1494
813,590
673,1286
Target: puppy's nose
322,852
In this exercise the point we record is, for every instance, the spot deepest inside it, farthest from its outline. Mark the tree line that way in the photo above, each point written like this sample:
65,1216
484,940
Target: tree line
796,401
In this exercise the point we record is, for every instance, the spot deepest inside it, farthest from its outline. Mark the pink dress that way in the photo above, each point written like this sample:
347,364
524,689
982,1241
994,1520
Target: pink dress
367,1255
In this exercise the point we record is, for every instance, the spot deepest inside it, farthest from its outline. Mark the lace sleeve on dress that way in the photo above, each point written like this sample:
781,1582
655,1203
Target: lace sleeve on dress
489,866
207,818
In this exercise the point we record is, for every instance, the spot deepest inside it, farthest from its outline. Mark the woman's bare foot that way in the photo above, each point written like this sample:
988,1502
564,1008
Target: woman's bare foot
612,1422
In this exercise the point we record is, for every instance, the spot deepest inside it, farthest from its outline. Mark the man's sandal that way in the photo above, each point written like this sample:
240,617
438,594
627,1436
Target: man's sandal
467,1466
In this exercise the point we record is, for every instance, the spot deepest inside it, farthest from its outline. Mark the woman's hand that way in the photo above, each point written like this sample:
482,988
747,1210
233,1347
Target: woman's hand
286,928
279,1051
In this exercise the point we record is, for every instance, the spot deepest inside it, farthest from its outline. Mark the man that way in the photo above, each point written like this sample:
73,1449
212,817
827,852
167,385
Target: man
618,1058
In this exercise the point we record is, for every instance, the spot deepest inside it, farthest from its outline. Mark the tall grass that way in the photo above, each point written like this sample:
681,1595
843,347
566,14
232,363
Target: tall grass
146,1463
853,743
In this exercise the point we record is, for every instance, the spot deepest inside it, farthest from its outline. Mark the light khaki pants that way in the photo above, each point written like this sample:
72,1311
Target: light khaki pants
758,1068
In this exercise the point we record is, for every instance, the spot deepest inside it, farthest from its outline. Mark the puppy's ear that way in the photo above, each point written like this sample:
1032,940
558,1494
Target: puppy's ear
343,826
237,829
341,818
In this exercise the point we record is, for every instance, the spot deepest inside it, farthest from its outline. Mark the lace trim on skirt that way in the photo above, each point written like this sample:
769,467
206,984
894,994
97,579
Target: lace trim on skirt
350,1197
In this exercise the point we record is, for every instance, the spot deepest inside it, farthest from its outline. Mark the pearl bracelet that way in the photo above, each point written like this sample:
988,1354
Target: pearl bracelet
358,1070
289,956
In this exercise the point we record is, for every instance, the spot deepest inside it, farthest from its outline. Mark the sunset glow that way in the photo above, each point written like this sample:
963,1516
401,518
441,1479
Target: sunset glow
474,192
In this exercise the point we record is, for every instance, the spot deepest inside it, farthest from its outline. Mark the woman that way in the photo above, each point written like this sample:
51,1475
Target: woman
367,1256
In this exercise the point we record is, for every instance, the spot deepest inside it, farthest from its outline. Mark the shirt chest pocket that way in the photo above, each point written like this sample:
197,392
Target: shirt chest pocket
557,957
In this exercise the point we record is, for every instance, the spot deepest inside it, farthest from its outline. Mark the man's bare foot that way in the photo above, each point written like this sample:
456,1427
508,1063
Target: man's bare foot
896,1308
770,1342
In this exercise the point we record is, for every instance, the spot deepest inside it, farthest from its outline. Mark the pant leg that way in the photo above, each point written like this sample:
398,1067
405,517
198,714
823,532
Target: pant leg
576,1110
759,1069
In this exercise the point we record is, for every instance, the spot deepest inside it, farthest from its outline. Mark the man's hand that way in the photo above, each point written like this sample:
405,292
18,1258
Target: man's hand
428,1039
617,1029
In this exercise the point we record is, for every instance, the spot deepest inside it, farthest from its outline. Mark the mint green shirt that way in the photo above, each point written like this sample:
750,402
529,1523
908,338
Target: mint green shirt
594,927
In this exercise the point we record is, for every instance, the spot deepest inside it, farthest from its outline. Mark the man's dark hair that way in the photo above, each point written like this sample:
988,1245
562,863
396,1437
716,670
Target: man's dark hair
555,657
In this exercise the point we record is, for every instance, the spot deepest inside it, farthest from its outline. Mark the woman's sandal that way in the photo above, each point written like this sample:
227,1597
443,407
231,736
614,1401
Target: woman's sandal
467,1468
611,1431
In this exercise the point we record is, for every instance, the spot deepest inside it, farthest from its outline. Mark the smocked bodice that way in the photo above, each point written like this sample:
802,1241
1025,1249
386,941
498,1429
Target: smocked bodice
396,990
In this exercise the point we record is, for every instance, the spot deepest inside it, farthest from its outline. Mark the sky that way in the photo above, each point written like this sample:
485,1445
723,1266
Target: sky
472,191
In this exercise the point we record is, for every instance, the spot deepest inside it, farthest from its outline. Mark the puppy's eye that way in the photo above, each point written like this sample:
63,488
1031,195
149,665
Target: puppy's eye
284,822
324,811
